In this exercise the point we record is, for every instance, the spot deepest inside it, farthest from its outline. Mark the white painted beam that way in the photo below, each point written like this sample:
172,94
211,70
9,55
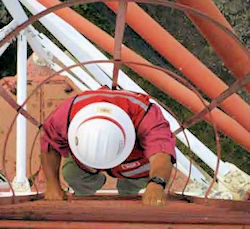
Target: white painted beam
21,122
46,49
67,61
20,182
67,36
4,32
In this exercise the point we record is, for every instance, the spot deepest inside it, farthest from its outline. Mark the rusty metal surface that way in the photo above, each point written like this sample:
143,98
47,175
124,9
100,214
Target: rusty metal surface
108,225
40,104
122,210
43,83
118,212
118,40
48,79
19,199
119,33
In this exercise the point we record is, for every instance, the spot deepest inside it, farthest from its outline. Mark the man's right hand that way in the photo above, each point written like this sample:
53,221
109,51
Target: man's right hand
56,194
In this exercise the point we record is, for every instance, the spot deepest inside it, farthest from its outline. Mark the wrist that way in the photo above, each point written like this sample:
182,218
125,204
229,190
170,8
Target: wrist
157,181
53,185
154,186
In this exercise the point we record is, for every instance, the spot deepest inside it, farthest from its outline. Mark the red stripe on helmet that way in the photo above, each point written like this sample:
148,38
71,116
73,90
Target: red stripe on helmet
109,119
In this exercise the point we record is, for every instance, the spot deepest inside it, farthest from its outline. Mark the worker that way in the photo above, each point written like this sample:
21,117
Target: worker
115,131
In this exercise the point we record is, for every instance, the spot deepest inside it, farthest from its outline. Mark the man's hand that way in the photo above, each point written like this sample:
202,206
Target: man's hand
55,194
154,195
160,166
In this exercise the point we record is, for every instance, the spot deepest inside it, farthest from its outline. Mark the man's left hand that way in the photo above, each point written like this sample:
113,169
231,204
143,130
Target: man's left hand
154,195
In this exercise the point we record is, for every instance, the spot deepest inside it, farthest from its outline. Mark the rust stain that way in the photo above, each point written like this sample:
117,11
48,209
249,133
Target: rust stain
102,211
112,209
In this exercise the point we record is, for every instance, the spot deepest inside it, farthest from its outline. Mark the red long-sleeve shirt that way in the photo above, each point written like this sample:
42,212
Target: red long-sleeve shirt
153,134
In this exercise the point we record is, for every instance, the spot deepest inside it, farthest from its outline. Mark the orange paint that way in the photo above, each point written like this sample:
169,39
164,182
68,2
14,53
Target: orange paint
165,83
185,61
232,55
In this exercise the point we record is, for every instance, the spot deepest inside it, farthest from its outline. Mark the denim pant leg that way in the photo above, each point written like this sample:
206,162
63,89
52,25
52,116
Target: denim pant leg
131,186
82,182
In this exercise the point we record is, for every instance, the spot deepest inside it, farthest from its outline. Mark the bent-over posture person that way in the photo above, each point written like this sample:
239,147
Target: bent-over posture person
119,132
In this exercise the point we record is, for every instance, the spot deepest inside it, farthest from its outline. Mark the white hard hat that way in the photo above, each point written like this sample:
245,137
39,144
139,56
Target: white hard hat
101,135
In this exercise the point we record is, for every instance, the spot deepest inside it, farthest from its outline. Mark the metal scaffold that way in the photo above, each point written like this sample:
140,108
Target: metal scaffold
85,67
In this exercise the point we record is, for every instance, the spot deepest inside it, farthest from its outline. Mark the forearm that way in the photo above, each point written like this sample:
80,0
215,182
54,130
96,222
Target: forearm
160,166
51,165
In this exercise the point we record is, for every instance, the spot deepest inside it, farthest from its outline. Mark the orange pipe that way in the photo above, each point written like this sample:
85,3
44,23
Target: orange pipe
227,48
165,83
184,61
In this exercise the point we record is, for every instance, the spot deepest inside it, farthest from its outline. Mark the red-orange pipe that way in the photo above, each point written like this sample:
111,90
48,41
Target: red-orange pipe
227,48
165,83
185,61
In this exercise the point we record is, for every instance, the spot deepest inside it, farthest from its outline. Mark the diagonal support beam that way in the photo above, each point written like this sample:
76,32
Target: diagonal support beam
215,102
119,33
18,108
3,32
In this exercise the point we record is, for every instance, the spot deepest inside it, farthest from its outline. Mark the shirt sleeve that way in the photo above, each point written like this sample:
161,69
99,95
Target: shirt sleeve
54,133
154,134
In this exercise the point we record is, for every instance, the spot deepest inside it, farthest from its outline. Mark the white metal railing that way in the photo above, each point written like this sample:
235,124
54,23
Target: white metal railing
20,182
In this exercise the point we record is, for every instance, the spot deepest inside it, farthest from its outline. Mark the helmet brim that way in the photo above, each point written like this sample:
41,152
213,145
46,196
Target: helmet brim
110,111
